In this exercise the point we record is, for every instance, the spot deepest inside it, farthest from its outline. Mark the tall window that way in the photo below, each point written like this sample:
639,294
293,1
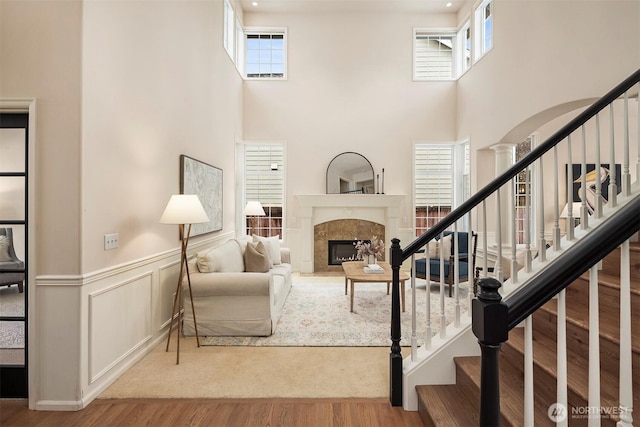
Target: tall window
229,30
484,28
264,181
265,54
433,55
464,48
433,178
524,191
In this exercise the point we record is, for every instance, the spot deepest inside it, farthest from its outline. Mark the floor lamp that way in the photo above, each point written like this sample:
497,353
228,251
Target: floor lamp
183,209
253,209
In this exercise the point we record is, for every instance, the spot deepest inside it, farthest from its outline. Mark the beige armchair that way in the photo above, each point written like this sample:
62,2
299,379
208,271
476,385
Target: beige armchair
11,268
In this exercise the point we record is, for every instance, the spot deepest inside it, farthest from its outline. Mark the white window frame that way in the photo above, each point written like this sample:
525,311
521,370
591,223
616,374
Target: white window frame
480,31
273,31
275,196
464,48
229,30
434,32
531,186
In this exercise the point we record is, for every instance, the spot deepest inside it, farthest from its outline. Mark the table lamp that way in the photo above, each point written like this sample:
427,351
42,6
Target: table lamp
254,210
183,209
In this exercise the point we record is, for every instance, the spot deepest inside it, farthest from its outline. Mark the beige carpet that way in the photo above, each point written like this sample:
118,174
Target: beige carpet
254,372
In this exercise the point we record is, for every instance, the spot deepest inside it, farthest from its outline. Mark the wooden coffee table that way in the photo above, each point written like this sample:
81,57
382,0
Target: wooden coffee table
354,273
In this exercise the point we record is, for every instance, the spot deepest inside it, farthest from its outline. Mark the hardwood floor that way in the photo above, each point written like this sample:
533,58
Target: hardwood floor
215,412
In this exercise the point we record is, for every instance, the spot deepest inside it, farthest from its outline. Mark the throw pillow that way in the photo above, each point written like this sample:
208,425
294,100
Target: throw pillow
434,249
446,245
256,259
4,248
273,246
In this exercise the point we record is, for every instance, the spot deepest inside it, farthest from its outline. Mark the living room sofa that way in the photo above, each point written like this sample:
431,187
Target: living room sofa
238,290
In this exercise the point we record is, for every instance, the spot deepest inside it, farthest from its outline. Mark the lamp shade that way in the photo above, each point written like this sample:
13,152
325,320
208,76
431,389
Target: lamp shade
254,208
184,209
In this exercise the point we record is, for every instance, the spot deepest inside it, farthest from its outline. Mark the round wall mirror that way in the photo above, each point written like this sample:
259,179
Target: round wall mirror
350,173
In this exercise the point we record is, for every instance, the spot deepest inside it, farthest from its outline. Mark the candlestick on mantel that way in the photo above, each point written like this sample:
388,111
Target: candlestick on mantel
378,184
382,181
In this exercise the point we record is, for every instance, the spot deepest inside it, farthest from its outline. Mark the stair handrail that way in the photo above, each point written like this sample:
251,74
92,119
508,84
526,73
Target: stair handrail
494,317
533,155
399,255
573,262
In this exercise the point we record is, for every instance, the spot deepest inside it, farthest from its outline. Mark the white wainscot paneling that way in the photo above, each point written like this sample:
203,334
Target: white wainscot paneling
168,275
119,322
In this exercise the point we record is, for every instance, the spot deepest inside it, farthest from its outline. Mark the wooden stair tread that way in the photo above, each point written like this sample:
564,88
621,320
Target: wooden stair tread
511,388
610,281
449,406
608,330
545,357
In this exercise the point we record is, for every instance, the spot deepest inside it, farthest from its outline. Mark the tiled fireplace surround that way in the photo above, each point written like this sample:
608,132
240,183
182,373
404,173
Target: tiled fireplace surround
342,217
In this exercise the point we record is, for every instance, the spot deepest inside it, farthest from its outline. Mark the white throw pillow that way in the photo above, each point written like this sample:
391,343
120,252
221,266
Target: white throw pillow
273,246
4,249
446,245
434,249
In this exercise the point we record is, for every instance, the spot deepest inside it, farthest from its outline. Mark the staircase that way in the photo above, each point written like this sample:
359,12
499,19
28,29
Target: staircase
458,404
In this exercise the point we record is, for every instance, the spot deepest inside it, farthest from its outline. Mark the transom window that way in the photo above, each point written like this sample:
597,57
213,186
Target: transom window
265,54
433,55
484,28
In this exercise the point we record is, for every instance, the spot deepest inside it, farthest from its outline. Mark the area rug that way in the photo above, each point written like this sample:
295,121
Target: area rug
11,305
316,313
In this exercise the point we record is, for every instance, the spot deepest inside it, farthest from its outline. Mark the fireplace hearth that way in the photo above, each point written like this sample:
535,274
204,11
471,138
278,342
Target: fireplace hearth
340,251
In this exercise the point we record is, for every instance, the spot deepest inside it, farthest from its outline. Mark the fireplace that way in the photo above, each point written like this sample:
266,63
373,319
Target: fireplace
344,217
340,251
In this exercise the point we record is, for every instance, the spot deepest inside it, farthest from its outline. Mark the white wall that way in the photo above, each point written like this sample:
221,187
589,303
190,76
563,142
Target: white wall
349,88
122,89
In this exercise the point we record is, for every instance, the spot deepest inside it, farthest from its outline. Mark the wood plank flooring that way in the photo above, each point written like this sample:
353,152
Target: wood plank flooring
215,413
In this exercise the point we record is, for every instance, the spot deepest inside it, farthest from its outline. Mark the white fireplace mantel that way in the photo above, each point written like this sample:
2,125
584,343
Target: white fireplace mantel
318,208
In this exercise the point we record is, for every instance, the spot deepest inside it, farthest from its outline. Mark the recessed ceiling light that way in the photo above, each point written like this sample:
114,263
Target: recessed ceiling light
254,3
449,4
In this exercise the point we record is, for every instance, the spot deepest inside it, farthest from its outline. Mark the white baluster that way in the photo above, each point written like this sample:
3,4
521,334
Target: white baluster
561,351
570,223
542,243
443,319
456,276
498,271
429,330
414,338
528,373
584,211
471,262
613,185
626,176
598,201
527,222
514,231
594,346
556,202
626,368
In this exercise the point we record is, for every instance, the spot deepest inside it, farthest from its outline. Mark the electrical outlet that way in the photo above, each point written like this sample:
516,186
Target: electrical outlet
111,241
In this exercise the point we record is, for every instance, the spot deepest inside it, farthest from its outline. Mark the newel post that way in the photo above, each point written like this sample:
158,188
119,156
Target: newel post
395,357
489,316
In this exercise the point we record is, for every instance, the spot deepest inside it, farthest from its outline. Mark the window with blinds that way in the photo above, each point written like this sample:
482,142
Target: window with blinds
433,180
264,182
433,56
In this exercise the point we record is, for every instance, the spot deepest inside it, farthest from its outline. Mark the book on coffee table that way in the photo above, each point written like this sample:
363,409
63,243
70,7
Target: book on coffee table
373,268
